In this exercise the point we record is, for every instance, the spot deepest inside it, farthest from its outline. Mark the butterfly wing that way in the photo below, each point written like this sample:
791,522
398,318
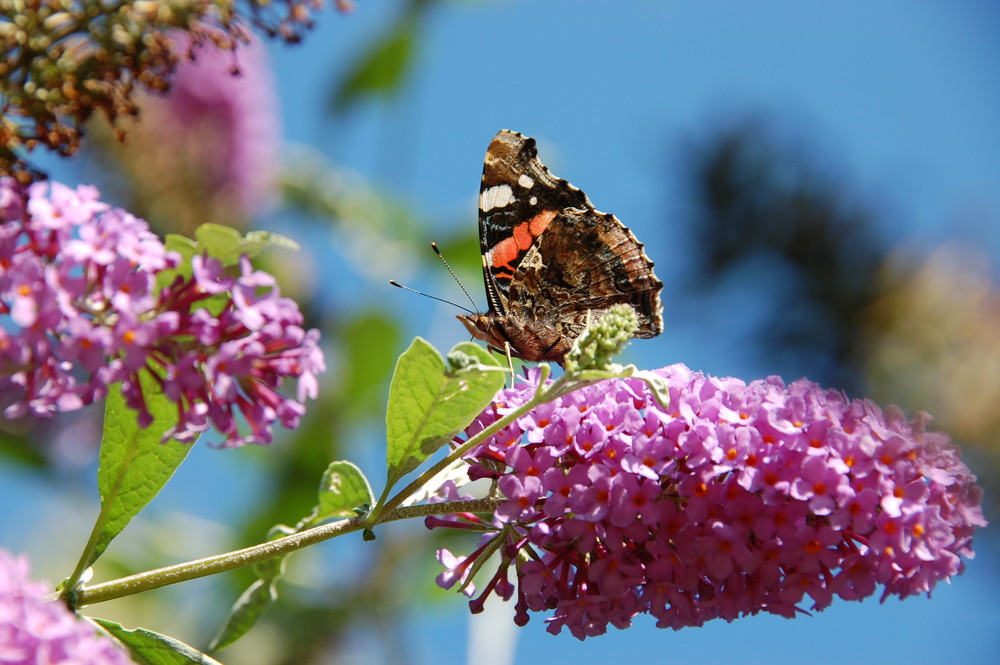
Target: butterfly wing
518,198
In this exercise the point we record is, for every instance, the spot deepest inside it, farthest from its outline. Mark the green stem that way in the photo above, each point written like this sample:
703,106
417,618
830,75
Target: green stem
564,385
85,557
181,572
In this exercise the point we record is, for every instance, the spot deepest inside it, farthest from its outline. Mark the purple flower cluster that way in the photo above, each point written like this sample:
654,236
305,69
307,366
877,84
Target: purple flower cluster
237,117
79,288
34,629
739,498
213,138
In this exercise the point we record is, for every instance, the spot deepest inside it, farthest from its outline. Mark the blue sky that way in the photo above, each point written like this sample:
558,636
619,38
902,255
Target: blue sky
901,98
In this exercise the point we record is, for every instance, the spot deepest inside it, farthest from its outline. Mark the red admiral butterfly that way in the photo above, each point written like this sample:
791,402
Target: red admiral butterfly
550,260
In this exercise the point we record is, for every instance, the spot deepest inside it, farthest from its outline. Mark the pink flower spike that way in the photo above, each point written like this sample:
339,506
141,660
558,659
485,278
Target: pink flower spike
737,499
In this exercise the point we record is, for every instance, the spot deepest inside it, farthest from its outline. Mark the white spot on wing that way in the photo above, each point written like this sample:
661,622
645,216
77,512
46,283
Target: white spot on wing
524,180
533,200
496,197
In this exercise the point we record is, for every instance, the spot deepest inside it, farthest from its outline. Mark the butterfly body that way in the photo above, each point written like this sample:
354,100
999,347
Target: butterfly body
551,262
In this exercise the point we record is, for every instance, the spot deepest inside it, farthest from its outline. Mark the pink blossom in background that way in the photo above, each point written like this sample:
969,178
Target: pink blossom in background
240,110
36,629
739,498
211,142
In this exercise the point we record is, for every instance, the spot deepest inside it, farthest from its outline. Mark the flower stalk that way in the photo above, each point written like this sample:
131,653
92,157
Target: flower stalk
220,563
386,511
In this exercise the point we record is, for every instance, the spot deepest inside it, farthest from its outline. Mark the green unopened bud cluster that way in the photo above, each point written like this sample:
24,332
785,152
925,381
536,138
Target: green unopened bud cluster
603,340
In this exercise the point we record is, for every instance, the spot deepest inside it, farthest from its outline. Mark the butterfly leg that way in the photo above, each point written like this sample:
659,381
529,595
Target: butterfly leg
510,362
510,359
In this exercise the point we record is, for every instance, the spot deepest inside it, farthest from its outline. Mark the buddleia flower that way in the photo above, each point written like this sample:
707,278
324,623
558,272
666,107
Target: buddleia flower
739,498
83,308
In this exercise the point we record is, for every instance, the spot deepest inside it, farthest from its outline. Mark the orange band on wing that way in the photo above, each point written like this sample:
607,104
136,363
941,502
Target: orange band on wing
538,223
505,252
522,236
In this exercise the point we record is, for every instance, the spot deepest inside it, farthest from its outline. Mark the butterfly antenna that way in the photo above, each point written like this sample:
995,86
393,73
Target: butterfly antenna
457,280
427,295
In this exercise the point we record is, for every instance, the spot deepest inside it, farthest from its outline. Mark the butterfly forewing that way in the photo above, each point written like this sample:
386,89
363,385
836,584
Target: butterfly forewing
518,198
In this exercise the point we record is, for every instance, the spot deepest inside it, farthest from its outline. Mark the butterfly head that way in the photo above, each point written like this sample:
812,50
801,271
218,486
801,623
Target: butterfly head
481,326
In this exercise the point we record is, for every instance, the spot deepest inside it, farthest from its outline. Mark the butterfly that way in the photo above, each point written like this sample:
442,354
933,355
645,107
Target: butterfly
551,262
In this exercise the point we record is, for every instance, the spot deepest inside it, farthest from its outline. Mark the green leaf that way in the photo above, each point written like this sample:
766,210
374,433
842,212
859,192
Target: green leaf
255,242
342,489
149,648
186,247
261,595
228,245
381,70
249,607
133,463
469,356
220,242
429,402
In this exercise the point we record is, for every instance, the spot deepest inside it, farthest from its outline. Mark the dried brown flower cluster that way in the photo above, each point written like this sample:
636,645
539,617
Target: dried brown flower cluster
65,59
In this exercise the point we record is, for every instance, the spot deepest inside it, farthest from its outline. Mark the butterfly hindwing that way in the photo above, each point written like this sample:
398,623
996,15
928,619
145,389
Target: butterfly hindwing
556,281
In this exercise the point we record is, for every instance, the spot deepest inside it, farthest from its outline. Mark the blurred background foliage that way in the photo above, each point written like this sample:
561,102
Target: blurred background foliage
843,303
851,310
